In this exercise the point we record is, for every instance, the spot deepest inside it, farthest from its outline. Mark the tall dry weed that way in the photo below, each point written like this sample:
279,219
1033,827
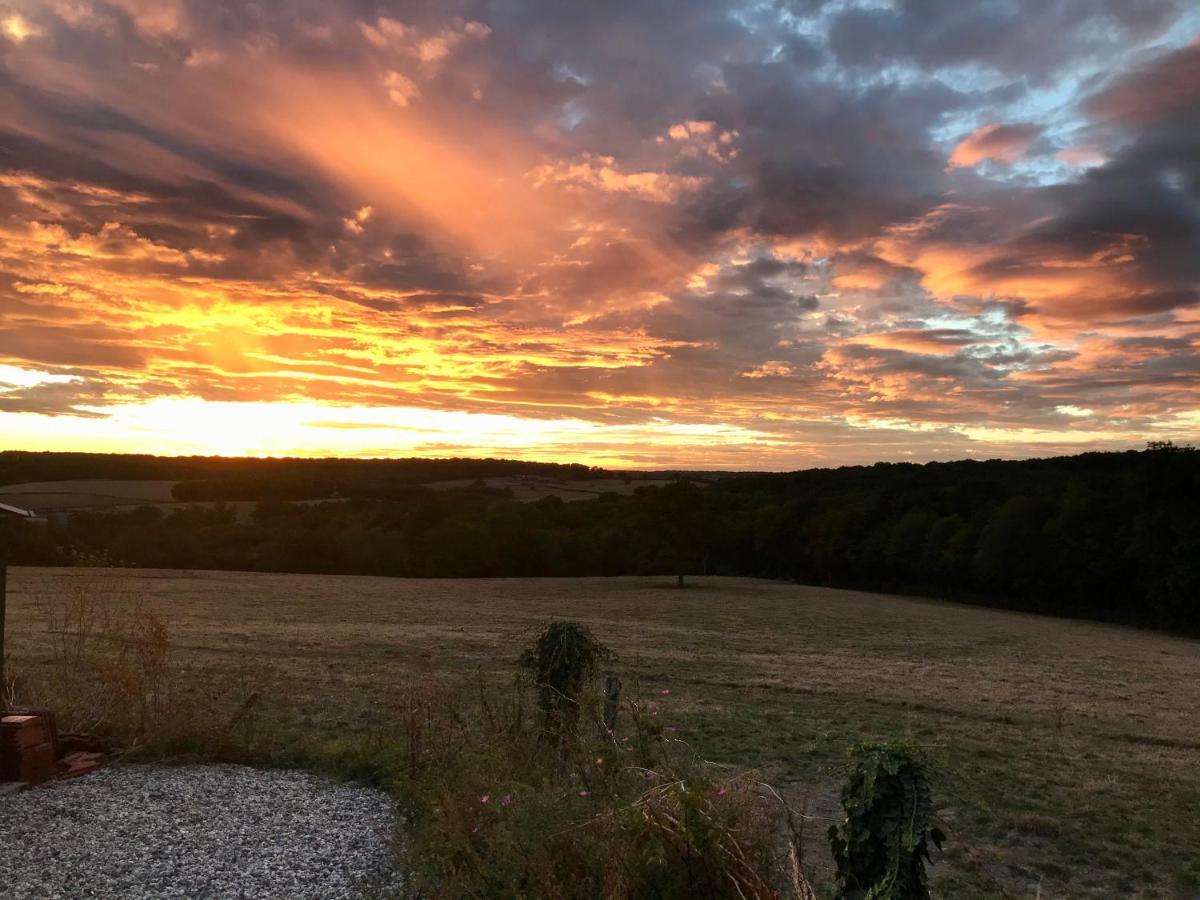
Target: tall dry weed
109,670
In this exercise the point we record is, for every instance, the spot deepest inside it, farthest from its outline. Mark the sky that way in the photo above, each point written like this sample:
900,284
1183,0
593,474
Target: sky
629,233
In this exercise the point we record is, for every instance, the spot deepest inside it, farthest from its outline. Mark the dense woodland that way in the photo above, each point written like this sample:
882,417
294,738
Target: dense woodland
1103,535
228,478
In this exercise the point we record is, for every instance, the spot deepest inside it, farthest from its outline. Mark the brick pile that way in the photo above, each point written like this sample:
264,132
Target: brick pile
32,752
27,751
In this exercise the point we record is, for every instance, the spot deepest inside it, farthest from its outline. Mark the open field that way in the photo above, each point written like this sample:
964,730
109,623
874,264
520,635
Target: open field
112,495
52,496
117,494
1067,750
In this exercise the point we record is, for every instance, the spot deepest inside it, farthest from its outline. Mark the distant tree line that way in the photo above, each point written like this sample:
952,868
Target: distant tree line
225,478
1103,535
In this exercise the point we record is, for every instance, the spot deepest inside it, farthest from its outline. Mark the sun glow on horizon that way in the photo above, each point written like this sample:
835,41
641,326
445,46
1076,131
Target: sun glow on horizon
176,426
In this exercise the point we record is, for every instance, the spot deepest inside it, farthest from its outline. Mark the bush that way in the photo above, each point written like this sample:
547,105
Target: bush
610,813
562,661
626,815
882,847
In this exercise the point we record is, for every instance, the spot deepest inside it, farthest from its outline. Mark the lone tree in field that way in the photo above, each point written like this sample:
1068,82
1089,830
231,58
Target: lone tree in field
678,523
882,847
562,661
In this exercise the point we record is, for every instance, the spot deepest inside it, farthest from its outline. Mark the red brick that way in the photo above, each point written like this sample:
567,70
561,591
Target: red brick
34,765
22,731
46,715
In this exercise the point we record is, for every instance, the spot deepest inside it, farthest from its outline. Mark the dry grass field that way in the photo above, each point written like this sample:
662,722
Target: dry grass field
51,496
1068,751
116,495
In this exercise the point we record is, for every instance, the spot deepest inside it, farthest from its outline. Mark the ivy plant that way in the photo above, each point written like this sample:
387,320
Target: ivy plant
882,847
561,660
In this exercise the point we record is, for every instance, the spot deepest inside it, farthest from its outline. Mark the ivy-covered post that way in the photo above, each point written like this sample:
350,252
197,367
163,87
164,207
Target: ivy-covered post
562,660
882,847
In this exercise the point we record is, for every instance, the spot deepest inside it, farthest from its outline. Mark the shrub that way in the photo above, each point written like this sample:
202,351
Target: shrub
702,837
612,814
610,817
882,847
561,661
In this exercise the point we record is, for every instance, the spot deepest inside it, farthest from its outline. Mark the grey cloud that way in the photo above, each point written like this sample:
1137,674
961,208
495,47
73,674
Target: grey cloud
1033,38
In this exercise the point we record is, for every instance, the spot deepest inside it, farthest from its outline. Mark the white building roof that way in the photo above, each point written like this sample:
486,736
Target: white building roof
17,511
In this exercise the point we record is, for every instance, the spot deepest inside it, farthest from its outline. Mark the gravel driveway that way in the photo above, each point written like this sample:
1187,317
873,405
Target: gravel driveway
196,832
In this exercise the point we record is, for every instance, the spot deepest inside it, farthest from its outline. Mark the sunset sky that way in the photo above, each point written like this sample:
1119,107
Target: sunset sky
636,234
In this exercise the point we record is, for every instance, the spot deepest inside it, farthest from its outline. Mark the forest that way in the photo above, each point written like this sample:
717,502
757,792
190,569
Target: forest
1112,536
232,478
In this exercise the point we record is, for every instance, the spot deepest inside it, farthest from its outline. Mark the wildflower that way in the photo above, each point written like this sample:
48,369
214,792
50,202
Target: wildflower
485,798
665,691
475,829
506,799
585,793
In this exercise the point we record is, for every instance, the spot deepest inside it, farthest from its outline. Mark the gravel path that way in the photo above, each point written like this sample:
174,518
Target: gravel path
196,832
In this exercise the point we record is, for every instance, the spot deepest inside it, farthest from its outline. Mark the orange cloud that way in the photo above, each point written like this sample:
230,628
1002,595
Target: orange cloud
932,340
1002,143
602,173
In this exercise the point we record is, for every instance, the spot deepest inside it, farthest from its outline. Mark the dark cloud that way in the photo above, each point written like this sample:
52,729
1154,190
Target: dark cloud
1129,227
79,398
1165,88
1031,38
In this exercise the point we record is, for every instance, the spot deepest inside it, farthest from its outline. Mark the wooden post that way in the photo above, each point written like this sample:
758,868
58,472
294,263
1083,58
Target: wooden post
612,701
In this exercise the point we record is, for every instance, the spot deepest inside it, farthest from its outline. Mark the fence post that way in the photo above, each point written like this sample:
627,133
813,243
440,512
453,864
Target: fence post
612,699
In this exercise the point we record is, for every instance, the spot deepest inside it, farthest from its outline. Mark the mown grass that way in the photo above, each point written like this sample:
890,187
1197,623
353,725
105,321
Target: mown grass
1065,750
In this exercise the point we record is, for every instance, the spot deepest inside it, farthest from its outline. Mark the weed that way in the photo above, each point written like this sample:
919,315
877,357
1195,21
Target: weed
109,671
